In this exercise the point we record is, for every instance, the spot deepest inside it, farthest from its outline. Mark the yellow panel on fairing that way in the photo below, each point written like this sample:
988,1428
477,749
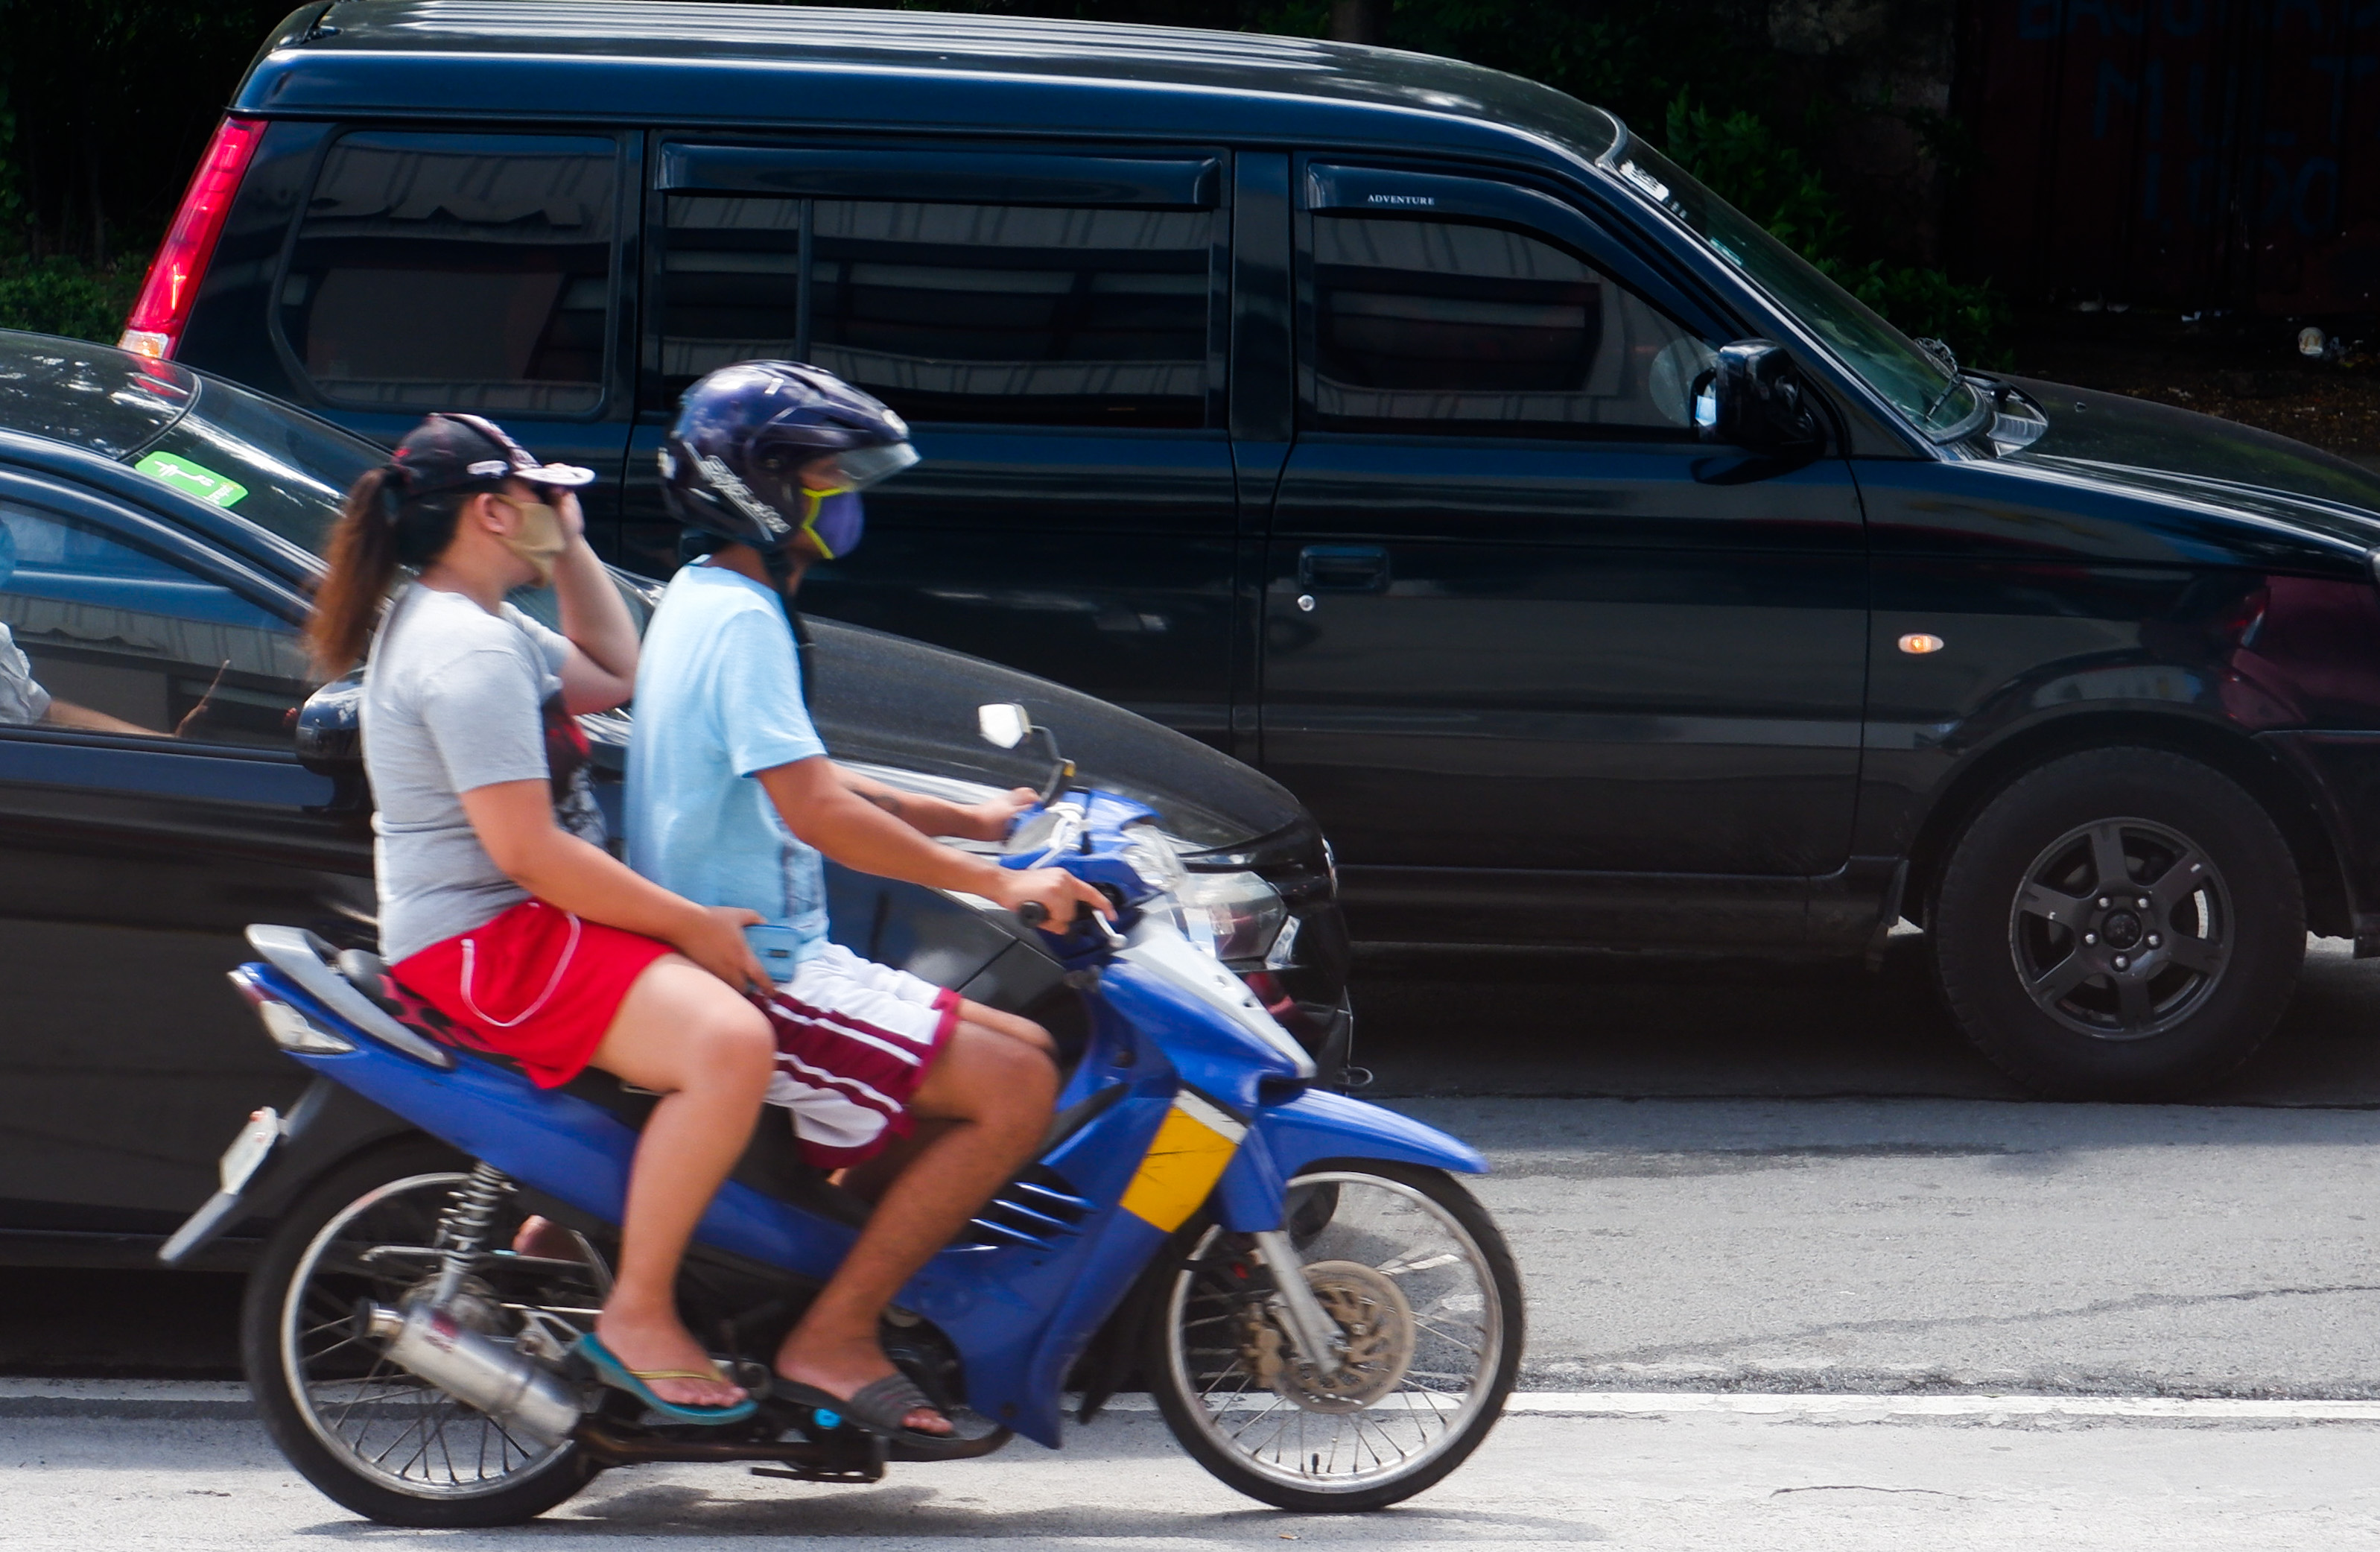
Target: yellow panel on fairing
1182,1163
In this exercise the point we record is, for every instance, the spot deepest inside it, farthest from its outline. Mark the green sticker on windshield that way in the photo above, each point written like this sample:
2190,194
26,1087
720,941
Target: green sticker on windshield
192,479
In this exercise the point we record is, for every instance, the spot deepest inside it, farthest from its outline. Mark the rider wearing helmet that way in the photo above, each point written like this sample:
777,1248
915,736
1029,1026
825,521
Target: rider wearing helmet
927,1101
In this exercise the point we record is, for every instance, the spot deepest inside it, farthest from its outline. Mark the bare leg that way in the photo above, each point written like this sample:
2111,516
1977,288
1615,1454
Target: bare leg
682,1032
981,1111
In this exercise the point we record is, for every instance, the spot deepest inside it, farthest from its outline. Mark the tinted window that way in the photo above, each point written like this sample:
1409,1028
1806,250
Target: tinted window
730,285
99,635
1020,313
455,272
279,467
1480,327
87,394
1007,314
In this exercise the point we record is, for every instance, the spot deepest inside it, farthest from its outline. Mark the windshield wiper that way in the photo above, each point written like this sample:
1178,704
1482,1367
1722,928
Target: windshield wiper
1949,362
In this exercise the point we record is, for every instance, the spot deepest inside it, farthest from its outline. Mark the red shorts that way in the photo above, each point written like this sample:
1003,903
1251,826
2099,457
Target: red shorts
854,1041
537,985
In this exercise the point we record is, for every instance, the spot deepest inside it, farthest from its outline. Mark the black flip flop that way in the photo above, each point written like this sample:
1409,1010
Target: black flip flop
877,1407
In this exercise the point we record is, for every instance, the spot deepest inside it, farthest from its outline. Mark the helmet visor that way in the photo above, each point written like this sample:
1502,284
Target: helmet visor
858,468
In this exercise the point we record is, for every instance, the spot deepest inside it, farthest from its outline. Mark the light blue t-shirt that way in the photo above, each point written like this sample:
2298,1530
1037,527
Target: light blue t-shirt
719,698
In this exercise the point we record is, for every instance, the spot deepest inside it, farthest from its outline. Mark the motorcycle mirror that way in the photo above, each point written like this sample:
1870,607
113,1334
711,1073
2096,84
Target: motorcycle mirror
327,732
1006,725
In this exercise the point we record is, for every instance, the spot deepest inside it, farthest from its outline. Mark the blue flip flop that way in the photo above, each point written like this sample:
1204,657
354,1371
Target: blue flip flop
619,1376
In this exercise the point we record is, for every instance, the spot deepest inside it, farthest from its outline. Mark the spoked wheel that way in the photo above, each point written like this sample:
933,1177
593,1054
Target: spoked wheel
1422,1286
371,1436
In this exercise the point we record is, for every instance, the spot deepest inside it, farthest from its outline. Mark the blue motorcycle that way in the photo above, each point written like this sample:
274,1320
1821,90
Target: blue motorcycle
1326,1319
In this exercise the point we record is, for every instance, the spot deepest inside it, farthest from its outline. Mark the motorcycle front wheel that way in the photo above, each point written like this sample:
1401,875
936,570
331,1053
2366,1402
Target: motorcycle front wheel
369,1434
1421,1285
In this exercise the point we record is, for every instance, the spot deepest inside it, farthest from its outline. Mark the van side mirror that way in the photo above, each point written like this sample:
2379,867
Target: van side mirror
1753,399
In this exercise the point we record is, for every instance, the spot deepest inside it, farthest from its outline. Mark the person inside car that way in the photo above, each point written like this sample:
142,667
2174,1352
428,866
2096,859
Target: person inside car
499,907
23,700
928,1102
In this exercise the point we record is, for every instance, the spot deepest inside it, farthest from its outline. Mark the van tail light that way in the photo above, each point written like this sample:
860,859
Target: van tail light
155,325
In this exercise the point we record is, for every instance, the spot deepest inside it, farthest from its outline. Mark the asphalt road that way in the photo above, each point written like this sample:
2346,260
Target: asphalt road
1747,1483
1758,1177
1730,1187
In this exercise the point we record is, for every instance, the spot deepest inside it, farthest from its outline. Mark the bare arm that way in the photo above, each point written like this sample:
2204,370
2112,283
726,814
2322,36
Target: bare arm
816,804
935,816
515,821
602,670
66,714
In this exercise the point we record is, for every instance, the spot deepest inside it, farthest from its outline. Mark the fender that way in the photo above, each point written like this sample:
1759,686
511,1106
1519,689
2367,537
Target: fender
1320,1124
328,1125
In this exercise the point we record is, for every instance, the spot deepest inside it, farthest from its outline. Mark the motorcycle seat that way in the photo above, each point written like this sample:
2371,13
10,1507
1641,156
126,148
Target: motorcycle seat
773,1162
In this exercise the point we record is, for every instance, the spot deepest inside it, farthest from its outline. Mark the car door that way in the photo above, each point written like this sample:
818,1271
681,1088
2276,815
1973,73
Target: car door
466,270
150,808
1539,661
1050,323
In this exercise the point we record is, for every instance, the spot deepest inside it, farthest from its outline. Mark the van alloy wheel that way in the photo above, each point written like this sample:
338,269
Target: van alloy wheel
2119,923
2123,929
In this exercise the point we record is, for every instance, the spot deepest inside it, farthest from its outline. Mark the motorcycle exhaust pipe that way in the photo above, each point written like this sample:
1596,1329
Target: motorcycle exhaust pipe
531,1402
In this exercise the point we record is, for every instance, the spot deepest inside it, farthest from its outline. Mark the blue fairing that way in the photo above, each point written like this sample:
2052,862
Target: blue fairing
1320,1125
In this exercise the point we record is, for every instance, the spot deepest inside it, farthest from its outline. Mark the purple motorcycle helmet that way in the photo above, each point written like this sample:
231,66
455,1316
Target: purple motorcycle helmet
732,465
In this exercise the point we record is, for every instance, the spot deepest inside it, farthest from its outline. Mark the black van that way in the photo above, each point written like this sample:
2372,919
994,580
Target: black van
1591,568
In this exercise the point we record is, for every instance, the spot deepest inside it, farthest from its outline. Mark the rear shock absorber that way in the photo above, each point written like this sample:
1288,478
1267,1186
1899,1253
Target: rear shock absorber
464,1225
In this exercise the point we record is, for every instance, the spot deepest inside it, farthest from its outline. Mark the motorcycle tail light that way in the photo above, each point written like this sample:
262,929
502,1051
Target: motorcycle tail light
290,1030
155,325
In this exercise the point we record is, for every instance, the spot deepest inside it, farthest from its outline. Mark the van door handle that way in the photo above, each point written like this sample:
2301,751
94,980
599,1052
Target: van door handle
1342,568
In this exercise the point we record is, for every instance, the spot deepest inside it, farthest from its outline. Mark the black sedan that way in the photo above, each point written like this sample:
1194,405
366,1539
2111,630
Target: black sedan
157,529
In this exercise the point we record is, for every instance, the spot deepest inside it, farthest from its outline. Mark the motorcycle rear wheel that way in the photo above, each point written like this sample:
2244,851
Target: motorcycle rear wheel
369,1435
1445,1344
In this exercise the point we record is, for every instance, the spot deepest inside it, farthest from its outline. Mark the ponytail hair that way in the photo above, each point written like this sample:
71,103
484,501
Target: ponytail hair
379,529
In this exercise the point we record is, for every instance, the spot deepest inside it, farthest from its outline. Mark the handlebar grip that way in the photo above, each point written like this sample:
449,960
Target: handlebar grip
1033,914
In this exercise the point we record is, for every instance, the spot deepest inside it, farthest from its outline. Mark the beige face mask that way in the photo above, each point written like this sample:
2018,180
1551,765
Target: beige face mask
540,540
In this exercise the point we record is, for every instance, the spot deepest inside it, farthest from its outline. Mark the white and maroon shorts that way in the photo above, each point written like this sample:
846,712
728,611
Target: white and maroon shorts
854,1041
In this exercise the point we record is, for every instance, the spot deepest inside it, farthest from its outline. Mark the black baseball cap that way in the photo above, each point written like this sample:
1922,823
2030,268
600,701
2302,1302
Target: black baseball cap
454,452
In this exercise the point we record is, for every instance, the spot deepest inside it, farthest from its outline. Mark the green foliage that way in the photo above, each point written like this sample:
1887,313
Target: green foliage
1742,160
1654,64
69,295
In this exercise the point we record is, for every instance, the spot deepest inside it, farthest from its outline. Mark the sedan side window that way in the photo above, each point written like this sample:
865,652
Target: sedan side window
1446,325
101,636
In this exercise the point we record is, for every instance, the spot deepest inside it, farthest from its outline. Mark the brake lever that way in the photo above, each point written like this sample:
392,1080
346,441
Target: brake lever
1033,914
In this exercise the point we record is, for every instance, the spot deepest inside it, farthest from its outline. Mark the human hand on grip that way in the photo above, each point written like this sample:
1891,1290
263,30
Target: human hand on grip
716,942
990,819
1055,891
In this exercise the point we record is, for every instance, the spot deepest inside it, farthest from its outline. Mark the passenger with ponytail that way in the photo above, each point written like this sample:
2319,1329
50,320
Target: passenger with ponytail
500,908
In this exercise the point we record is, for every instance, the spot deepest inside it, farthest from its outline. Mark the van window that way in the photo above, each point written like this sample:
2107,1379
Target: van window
455,272
1474,326
1014,314
730,286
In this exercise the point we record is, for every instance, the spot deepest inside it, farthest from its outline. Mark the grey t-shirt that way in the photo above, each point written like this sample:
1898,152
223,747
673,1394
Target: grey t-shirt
456,698
21,701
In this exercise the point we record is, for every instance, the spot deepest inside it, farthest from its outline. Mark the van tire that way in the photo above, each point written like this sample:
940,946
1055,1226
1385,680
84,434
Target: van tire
2041,902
